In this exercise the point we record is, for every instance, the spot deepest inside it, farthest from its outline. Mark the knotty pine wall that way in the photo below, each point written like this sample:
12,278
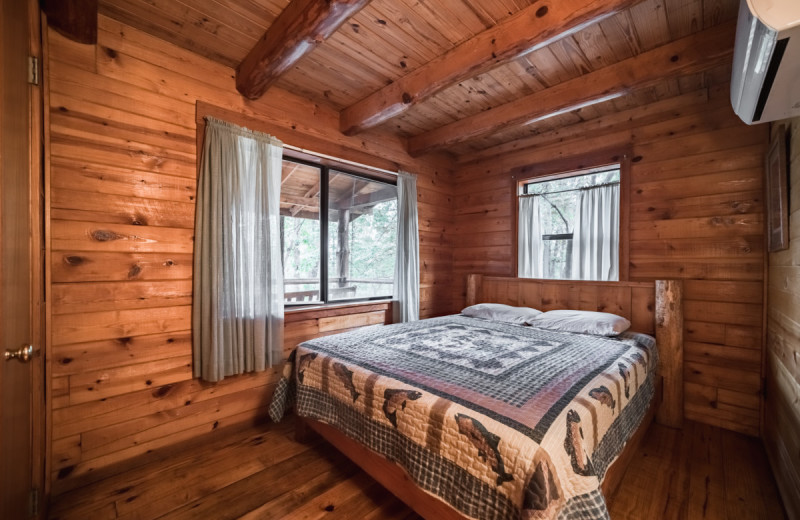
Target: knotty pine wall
782,405
695,214
122,168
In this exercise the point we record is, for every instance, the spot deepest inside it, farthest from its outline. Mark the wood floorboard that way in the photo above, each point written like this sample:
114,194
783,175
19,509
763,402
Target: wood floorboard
700,472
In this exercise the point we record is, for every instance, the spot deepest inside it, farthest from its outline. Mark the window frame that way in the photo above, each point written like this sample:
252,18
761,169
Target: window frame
569,167
325,165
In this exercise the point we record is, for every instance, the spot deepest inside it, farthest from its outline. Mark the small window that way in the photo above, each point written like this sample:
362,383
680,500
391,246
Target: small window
344,253
569,226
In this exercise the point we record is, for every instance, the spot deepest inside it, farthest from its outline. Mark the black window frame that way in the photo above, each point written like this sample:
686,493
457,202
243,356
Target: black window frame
325,167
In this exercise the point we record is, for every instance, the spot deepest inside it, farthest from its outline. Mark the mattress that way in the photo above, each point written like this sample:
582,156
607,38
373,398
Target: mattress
501,421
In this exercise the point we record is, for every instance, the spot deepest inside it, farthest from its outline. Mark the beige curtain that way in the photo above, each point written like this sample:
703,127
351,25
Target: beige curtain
595,241
530,247
406,273
237,315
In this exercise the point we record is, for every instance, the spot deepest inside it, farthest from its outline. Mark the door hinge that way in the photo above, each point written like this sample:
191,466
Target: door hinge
33,70
33,502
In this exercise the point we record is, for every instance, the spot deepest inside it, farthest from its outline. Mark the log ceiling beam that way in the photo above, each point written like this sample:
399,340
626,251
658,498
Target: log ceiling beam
295,32
534,27
688,55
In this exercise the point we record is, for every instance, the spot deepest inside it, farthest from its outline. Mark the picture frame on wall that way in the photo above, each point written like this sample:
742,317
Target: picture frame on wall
777,192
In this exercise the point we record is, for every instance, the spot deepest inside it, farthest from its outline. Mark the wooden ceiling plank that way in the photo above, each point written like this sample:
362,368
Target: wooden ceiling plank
688,55
208,27
295,33
534,27
262,13
650,21
596,47
454,33
621,36
156,23
611,122
398,46
571,57
684,17
427,39
716,12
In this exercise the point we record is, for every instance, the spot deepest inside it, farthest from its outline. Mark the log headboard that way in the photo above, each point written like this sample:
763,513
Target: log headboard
654,308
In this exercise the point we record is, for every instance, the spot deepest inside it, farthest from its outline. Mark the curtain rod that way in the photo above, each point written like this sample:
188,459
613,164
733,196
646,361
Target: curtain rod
615,183
339,159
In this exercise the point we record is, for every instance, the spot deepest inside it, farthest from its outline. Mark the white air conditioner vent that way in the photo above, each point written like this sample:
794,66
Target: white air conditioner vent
765,84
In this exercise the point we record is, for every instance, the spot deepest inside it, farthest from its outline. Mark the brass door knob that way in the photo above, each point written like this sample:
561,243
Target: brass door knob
24,353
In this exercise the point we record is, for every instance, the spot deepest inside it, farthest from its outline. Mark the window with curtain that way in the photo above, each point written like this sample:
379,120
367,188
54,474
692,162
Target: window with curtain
339,234
237,308
569,226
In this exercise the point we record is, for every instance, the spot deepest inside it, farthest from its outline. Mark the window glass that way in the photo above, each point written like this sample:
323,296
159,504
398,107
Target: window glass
300,231
362,237
559,200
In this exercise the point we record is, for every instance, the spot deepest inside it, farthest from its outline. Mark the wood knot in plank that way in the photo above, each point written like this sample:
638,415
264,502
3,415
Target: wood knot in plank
134,271
541,11
73,260
162,391
104,235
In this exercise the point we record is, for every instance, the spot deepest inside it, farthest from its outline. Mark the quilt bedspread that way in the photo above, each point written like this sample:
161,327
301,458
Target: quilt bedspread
500,421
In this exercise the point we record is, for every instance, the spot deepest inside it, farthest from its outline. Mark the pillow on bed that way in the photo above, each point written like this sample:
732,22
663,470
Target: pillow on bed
582,322
500,312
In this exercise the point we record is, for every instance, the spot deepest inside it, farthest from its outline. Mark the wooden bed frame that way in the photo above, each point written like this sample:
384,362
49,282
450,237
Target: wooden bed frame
652,307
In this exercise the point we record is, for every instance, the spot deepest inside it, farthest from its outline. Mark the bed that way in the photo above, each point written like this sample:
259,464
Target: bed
464,417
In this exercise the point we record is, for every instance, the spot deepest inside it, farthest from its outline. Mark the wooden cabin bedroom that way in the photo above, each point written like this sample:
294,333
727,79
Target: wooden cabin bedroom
400,259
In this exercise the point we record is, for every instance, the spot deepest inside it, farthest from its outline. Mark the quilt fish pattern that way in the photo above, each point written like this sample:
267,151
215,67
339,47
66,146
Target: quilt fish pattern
498,420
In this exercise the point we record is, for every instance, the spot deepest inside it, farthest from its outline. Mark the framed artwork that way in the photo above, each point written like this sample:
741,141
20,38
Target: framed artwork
777,193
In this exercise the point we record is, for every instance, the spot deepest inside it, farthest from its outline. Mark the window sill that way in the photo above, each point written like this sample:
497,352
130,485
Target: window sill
296,313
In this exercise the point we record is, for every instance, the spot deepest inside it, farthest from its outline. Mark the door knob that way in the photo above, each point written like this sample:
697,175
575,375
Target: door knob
24,353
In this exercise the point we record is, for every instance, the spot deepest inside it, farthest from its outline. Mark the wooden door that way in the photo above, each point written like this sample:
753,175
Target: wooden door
18,209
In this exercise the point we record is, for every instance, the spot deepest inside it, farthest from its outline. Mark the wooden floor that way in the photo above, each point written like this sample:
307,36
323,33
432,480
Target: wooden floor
700,472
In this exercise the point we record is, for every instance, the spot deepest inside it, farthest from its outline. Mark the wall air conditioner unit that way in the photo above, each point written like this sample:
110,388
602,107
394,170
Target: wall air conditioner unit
765,84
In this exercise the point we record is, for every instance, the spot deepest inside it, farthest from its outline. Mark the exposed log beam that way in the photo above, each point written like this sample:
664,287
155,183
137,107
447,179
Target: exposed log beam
685,56
295,33
75,19
536,26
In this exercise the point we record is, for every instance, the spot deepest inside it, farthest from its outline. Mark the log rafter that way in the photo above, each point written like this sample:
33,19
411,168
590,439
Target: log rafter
536,26
301,26
688,55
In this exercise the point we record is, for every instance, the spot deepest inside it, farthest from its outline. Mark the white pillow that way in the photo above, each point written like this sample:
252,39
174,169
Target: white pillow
500,312
582,322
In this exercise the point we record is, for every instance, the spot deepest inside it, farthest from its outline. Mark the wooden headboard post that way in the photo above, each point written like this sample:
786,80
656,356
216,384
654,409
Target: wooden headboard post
669,337
474,282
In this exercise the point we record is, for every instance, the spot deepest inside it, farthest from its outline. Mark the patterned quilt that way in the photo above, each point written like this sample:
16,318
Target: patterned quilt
500,421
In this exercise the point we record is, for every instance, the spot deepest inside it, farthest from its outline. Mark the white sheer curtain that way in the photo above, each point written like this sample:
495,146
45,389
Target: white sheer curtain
595,241
530,247
406,272
237,314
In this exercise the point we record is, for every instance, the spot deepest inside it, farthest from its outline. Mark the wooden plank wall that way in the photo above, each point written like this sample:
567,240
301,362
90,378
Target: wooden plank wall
122,169
695,214
782,406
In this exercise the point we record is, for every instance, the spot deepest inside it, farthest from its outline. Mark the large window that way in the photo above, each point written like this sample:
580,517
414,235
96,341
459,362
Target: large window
344,252
569,226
